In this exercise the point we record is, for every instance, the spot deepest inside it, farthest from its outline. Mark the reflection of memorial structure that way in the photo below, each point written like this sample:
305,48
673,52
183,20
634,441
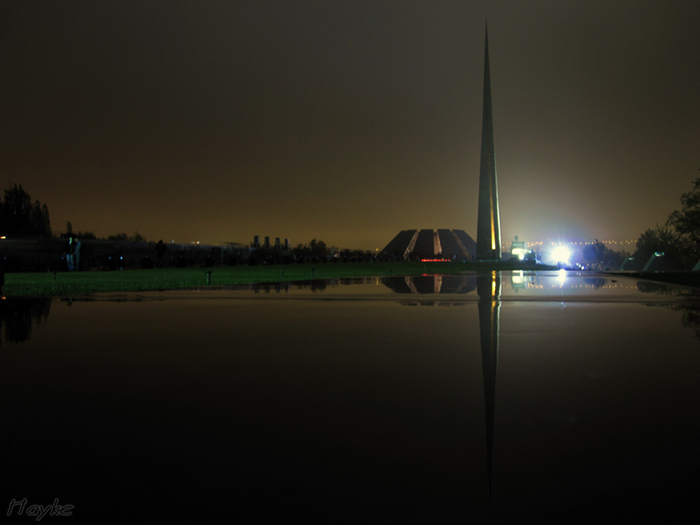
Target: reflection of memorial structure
18,315
581,291
489,290
488,286
520,281
432,284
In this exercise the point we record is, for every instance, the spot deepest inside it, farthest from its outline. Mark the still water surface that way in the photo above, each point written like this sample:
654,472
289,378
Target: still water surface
425,398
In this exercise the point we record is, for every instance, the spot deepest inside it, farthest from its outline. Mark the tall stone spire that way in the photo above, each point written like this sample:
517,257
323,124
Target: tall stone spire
488,232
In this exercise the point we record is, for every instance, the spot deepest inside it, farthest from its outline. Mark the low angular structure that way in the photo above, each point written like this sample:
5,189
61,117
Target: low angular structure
432,244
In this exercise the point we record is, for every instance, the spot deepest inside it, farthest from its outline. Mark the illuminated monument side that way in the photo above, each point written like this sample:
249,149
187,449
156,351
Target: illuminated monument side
488,232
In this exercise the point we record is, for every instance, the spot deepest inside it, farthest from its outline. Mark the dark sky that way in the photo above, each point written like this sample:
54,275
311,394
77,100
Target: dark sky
348,121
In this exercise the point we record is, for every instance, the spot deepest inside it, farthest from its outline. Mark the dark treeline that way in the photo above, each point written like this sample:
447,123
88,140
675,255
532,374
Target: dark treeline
31,255
21,218
89,236
315,251
597,256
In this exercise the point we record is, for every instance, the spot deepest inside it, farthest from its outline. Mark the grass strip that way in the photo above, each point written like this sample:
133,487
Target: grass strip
78,283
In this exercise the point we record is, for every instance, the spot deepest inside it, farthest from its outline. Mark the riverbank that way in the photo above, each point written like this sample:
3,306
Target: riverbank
130,280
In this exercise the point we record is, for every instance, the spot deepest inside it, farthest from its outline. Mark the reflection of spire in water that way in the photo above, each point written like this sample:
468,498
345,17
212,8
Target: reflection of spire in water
489,290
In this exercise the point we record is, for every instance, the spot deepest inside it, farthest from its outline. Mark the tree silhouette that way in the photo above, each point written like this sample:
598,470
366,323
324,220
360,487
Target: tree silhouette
686,221
664,240
20,218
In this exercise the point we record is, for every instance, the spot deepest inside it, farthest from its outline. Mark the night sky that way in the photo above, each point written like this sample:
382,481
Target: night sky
348,121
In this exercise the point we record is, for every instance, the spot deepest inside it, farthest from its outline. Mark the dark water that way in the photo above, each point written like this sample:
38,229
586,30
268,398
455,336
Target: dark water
500,397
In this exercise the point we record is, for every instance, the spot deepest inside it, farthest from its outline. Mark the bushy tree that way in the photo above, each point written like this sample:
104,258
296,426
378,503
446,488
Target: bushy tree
136,237
595,254
676,249
118,237
312,249
600,257
679,238
20,218
86,235
317,248
686,221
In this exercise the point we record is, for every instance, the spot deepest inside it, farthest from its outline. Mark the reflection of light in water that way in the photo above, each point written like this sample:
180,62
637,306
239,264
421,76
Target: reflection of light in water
561,276
517,277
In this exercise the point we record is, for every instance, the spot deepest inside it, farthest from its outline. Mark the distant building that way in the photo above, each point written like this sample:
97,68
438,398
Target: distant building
519,251
268,245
